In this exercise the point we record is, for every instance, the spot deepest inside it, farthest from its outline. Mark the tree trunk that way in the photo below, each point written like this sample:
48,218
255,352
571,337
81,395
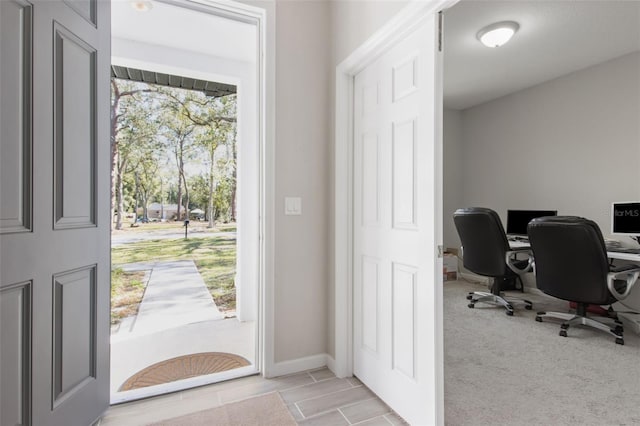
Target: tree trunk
186,195
114,148
210,206
233,181
178,153
179,197
120,192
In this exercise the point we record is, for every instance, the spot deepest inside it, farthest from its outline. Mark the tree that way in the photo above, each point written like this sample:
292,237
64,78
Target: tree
120,92
151,124
178,133
216,120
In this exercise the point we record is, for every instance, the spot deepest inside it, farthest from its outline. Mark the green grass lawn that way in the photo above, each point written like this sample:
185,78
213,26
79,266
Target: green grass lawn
214,256
194,225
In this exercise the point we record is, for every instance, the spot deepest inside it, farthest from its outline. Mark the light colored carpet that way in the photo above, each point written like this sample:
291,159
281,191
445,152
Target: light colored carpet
263,410
502,370
183,367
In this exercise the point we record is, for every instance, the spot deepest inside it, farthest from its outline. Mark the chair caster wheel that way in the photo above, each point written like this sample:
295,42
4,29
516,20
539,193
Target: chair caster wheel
528,307
469,296
470,305
618,330
539,319
563,333
619,341
564,326
509,313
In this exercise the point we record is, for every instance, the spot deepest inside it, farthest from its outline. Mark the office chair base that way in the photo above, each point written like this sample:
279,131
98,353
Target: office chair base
608,325
498,300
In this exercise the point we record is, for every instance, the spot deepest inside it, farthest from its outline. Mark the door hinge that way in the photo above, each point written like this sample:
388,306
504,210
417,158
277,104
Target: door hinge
440,251
440,18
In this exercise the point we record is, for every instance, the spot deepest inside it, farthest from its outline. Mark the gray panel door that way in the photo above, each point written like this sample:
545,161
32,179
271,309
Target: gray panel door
54,211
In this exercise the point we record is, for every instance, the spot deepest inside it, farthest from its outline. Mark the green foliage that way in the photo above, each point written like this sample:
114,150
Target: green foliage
174,146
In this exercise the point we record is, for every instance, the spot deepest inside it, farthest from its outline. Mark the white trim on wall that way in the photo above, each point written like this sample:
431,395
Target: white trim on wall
293,366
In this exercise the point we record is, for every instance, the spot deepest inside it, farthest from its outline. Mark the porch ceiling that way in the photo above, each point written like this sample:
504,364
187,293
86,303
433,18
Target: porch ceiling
209,88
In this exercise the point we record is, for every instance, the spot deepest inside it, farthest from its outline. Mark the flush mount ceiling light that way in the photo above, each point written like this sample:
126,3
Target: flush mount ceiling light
495,35
142,5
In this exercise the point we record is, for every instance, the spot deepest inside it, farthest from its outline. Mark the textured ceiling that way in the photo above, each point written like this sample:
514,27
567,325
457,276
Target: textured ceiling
555,38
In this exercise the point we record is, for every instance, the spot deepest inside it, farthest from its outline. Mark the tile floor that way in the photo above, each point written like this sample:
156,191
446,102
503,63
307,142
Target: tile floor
314,397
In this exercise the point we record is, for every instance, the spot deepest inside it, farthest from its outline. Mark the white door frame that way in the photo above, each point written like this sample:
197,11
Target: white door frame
263,18
406,21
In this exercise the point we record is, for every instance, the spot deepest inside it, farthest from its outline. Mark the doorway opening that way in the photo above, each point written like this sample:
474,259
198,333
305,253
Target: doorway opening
191,125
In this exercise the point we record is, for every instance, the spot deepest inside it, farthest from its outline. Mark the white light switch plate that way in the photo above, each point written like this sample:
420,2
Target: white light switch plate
292,206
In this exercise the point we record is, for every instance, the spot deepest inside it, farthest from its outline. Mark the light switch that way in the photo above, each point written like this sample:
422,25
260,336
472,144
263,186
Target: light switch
292,206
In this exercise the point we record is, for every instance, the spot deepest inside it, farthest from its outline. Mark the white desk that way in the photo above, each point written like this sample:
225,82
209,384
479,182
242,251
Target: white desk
624,256
611,254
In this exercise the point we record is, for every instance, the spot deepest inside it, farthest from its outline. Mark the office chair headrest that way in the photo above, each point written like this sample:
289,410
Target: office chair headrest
561,220
470,210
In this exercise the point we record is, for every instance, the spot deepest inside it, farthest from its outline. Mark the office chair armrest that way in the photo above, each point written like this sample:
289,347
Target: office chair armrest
629,275
510,257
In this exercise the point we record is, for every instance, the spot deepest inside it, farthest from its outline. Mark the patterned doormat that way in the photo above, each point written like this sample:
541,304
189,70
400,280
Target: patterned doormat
183,367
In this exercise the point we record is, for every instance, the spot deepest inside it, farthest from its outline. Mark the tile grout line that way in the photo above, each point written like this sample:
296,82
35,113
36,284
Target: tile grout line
299,411
325,394
387,419
345,417
334,408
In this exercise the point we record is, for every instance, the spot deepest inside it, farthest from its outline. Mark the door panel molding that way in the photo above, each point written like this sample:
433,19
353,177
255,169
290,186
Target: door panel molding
403,329
74,332
85,8
17,143
74,118
15,352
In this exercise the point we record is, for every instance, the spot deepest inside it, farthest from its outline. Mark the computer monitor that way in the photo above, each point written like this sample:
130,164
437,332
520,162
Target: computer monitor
517,220
625,218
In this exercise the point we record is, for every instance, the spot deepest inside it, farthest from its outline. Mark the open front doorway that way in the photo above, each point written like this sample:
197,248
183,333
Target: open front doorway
196,255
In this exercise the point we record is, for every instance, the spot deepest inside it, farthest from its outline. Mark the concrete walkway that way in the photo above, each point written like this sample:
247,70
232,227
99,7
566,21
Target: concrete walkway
176,295
177,316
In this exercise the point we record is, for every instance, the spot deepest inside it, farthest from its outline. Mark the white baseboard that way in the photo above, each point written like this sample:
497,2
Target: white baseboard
331,363
297,365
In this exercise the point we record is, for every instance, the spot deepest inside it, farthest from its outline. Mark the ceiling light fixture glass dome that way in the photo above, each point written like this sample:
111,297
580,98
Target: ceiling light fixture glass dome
496,35
142,5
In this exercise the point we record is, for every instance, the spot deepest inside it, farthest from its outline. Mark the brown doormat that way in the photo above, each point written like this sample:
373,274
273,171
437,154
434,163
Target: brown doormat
263,410
183,367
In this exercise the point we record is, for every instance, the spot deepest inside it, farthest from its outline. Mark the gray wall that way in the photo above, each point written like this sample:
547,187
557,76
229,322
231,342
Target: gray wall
303,51
452,179
312,37
571,144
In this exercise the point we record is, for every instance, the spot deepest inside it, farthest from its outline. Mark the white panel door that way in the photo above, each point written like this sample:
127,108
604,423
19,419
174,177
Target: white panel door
395,271
54,211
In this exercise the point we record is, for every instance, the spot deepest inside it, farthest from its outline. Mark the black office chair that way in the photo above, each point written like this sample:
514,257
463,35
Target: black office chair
486,252
571,264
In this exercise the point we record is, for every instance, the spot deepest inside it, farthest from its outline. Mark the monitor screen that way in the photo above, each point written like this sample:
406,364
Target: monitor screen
625,218
517,220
